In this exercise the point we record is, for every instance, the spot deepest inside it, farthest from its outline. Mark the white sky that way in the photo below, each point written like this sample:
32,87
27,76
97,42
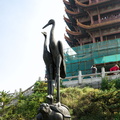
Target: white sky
21,41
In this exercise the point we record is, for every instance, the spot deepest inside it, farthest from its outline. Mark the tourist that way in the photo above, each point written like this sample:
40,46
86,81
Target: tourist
94,69
114,68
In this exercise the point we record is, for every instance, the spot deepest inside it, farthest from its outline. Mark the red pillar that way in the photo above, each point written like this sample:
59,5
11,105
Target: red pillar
101,37
99,19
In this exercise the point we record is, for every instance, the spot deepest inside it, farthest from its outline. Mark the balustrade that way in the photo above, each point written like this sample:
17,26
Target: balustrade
108,18
96,1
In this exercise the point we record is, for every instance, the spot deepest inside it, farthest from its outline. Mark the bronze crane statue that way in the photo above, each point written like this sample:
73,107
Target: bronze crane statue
56,50
47,57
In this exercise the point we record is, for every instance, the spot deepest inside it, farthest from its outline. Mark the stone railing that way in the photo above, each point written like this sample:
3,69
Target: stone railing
80,80
89,79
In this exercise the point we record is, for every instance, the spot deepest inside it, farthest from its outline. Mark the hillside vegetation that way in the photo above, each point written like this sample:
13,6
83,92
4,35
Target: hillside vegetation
84,103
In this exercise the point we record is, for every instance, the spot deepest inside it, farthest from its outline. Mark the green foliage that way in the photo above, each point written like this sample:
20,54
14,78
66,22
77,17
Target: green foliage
117,116
108,84
5,98
85,103
117,83
27,106
92,104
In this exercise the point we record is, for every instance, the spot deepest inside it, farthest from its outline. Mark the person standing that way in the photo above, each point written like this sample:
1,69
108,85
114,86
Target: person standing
115,68
94,69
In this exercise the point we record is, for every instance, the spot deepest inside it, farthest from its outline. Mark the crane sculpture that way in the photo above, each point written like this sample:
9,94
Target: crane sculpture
47,57
55,66
56,51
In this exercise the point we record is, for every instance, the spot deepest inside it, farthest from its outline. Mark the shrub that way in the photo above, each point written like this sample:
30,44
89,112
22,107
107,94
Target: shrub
27,106
117,83
85,103
92,104
107,84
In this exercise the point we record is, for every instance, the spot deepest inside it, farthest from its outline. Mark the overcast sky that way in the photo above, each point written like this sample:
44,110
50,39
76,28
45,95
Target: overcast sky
21,41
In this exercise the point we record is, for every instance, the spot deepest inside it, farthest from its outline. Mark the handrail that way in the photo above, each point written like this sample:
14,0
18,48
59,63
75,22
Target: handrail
71,77
93,74
91,78
14,99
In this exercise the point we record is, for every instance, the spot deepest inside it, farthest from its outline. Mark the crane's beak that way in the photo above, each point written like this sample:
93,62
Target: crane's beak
45,26
44,33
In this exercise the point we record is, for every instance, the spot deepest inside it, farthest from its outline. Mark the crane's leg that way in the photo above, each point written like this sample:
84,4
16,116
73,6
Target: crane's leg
59,59
48,78
51,79
50,85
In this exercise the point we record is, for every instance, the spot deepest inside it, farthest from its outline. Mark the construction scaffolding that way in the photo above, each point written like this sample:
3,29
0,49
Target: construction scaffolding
81,58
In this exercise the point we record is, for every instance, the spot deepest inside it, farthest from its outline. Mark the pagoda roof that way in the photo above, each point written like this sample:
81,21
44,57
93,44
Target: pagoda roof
74,42
76,34
72,2
73,32
69,41
92,4
99,25
71,12
67,38
67,20
67,5
66,2
69,23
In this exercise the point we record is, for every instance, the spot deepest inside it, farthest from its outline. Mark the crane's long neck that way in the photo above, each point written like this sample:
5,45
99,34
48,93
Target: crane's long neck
45,43
52,33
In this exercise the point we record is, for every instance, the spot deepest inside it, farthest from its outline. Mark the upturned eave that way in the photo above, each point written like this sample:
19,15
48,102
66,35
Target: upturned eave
91,4
99,25
66,2
73,32
71,12
67,20
67,38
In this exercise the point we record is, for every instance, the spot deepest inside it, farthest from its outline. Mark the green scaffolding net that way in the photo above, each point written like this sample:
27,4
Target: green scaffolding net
83,57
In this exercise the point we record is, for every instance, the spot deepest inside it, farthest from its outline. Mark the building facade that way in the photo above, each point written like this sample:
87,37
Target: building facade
93,32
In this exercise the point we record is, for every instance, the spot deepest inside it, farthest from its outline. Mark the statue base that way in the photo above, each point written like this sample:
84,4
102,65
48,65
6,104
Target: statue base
55,111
